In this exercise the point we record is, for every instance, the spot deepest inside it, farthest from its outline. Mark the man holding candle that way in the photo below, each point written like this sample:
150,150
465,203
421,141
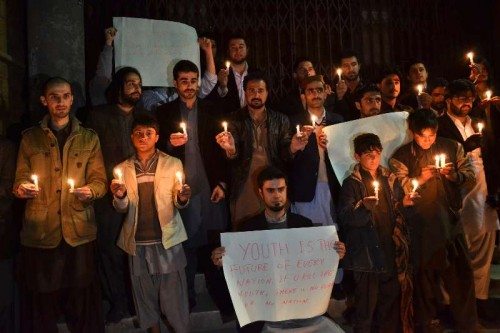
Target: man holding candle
313,185
113,122
153,231
438,244
480,220
204,164
349,82
417,92
376,236
258,137
56,264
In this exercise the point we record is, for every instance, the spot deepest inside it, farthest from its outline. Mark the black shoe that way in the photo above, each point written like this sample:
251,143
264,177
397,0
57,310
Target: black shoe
116,314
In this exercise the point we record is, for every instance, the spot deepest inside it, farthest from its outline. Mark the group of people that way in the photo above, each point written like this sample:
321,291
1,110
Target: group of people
130,204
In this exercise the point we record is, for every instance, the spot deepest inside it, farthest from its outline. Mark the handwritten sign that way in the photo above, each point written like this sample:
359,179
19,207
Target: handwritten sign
283,274
154,47
391,128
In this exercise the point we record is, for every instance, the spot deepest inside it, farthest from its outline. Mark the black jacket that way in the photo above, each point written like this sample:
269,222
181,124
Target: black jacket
303,169
278,144
364,252
169,118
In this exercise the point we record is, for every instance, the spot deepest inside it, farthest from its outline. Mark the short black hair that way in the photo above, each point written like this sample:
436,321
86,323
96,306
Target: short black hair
270,173
236,36
367,142
348,53
437,82
459,87
413,62
370,87
300,60
386,71
146,120
116,86
185,66
255,76
422,119
52,81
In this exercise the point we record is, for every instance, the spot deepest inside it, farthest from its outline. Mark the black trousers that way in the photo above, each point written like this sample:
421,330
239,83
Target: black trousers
452,269
377,299
81,307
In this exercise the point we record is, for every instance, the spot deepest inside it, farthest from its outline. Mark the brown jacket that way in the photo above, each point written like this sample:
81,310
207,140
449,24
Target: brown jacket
55,213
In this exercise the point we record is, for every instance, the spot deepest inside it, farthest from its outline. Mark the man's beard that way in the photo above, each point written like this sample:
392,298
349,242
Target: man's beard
350,78
238,62
131,100
277,208
460,112
258,105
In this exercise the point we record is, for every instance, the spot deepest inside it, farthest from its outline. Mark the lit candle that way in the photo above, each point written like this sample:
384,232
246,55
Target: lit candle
415,186
442,157
488,94
71,184
313,120
339,73
375,187
420,88
437,161
480,127
178,174
119,175
35,181
470,55
183,126
298,131
228,65
224,124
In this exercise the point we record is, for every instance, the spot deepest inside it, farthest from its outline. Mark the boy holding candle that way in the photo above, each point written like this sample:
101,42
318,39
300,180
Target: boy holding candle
153,232
439,249
375,233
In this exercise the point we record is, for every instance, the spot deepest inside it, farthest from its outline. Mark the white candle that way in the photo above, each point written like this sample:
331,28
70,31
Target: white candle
480,127
420,88
415,185
442,157
470,55
437,161
224,124
228,65
488,94
35,181
119,175
183,126
313,120
339,73
178,174
71,184
298,131
375,187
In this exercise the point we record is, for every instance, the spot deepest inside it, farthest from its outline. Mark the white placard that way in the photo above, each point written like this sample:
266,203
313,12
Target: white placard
154,47
282,274
391,128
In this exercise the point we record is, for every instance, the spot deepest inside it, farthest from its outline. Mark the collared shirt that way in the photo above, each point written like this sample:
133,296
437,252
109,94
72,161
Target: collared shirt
320,120
465,130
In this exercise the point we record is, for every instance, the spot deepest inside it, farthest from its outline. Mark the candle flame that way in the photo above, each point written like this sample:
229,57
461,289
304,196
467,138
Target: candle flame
488,94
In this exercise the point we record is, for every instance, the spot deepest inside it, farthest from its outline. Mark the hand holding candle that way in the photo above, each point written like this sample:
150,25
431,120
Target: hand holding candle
183,126
470,55
35,181
71,184
376,188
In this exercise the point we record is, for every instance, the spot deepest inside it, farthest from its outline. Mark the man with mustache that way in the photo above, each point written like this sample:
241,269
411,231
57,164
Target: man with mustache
257,137
348,85
113,124
389,84
368,101
313,186
479,219
204,164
